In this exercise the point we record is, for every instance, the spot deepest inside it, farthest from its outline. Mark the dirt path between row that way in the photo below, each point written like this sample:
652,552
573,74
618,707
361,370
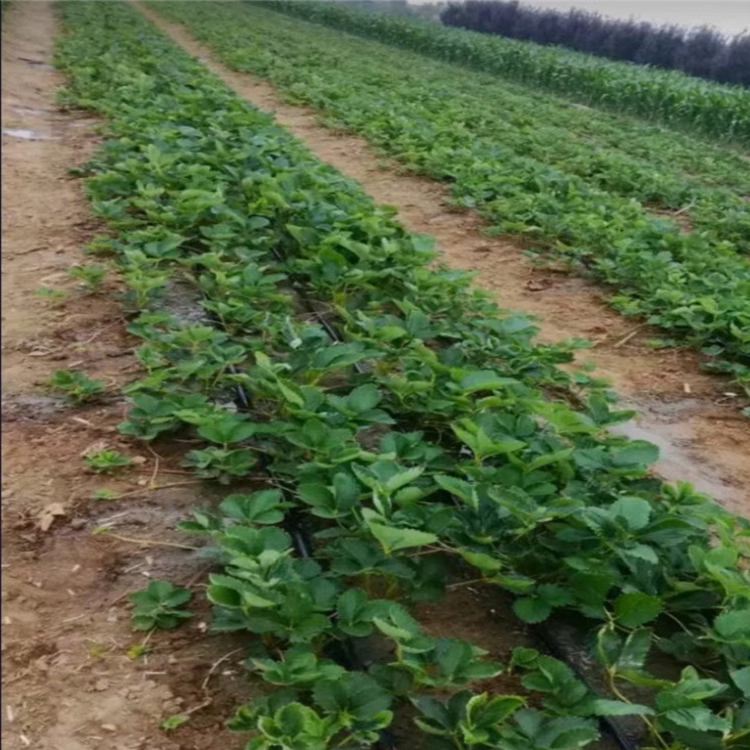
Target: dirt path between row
687,413
68,681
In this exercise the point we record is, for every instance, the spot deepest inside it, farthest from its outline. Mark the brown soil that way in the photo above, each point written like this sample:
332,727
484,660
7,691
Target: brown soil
692,416
68,681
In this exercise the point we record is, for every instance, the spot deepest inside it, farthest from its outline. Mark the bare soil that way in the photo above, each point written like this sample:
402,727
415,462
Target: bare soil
692,416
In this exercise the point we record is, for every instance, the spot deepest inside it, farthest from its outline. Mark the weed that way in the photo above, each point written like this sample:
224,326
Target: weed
174,722
78,387
104,494
91,276
107,461
55,296
160,605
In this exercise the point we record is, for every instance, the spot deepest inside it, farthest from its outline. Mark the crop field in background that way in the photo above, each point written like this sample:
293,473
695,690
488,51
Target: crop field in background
668,96
379,433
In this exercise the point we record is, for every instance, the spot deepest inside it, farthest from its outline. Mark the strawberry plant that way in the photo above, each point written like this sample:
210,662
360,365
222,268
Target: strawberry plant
482,722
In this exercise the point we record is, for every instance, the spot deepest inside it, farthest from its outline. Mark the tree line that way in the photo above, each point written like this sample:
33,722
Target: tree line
701,51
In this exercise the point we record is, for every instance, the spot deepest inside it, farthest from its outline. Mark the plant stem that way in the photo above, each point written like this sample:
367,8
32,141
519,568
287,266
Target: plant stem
148,542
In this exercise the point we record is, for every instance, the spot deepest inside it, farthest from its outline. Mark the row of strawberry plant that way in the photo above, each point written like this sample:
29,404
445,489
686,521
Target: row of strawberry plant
704,184
713,109
709,187
507,478
693,286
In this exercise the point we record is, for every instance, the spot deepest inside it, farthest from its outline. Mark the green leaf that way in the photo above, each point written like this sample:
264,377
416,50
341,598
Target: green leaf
398,624
741,678
403,478
591,587
733,623
641,552
356,694
484,562
224,596
635,609
484,380
554,595
606,707
634,511
565,733
458,488
488,711
391,333
532,609
635,650
225,429
548,458
638,453
699,719
290,394
229,591
364,398
159,606
524,657
392,538
259,507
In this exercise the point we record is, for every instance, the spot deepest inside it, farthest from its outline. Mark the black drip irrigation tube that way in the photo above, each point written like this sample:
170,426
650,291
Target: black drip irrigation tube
626,734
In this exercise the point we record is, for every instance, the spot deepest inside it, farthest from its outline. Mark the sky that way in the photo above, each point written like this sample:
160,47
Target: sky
728,16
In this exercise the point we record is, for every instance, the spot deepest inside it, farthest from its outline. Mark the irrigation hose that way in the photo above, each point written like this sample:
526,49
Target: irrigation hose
558,649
